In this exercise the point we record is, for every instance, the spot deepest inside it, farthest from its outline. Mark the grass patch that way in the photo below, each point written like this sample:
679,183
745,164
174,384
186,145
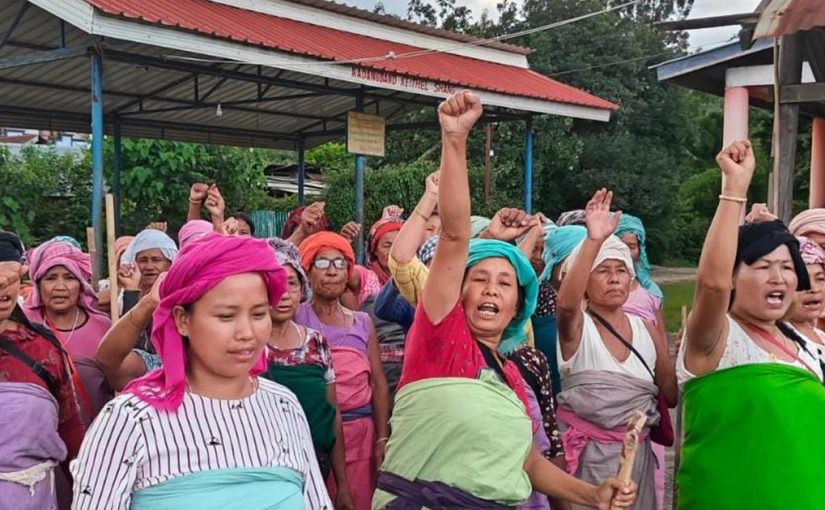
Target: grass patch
677,295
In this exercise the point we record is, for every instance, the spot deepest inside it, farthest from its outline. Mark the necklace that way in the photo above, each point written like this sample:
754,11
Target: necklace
298,335
74,325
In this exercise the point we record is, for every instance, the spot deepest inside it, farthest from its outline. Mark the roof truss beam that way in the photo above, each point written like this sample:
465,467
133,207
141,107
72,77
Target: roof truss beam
224,106
110,119
42,57
802,93
161,63
17,18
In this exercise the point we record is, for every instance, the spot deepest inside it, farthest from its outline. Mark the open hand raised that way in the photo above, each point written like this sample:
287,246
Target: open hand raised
599,220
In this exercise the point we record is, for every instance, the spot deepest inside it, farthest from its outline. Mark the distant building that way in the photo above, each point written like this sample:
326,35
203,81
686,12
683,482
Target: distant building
62,142
282,180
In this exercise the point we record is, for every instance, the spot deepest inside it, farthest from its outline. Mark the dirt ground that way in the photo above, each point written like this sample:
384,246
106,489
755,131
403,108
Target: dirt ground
673,274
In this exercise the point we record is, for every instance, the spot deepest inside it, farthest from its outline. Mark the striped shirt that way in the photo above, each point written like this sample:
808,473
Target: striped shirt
132,446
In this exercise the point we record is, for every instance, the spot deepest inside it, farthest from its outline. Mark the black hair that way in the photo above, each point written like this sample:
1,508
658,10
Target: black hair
793,335
246,219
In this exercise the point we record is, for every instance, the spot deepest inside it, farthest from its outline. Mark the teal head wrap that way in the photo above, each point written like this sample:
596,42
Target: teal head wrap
632,225
481,249
558,245
68,239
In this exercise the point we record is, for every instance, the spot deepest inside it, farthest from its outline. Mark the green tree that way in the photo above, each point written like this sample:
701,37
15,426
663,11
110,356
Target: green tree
157,175
44,194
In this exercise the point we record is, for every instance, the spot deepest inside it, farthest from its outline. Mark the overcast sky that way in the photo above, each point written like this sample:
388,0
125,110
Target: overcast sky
698,38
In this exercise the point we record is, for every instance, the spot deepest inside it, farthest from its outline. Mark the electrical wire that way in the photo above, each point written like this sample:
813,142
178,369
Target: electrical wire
418,53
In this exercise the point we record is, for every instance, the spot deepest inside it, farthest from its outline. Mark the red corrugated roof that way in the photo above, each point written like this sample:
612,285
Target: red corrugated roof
226,22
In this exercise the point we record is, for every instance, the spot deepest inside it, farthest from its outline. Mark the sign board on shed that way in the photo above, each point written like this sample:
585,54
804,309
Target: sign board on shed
365,134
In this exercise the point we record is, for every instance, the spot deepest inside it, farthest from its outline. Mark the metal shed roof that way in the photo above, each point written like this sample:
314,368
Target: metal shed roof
168,64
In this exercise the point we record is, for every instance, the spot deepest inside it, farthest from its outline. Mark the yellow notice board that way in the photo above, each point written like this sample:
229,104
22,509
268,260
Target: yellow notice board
365,134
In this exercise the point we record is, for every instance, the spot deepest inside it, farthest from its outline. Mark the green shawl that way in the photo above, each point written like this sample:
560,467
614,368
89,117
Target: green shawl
308,384
471,434
753,439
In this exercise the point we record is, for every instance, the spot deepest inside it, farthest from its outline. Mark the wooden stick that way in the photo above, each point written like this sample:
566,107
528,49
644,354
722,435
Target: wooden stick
90,242
629,446
684,317
114,306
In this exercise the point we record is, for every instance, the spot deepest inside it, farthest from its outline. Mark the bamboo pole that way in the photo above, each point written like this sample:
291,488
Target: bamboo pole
90,243
629,446
112,257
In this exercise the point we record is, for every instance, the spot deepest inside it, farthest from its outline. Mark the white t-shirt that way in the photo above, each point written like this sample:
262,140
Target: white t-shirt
740,349
593,354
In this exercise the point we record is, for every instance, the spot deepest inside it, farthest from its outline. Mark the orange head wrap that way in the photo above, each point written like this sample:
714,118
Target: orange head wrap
316,243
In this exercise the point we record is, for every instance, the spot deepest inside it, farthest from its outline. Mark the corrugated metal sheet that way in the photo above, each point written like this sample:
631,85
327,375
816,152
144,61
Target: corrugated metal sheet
784,17
222,21
268,223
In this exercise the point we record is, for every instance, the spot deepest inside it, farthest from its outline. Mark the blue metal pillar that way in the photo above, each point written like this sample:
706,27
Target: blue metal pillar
116,179
360,164
528,165
97,157
301,172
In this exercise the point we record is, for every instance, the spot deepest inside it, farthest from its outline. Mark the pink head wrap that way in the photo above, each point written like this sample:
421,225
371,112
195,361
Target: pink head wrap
810,251
192,231
807,222
121,244
201,266
60,253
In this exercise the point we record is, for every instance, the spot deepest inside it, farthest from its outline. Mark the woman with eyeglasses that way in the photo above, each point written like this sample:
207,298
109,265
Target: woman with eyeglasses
361,386
299,358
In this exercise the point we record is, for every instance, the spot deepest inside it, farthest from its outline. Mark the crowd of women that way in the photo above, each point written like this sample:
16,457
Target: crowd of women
471,363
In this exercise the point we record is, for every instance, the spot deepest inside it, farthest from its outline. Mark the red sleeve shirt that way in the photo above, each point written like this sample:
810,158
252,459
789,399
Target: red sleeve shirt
70,425
448,349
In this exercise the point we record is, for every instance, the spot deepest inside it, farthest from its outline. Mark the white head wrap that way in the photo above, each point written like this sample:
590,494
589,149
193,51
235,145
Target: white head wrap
612,249
147,240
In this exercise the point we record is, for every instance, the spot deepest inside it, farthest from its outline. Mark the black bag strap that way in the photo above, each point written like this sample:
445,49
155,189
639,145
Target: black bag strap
36,367
491,360
627,344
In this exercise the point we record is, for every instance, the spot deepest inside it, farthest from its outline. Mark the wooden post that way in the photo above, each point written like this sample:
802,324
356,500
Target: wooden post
488,161
789,71
629,446
816,198
91,244
114,306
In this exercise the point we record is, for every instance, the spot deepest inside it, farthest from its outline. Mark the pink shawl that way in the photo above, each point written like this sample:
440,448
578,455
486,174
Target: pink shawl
201,265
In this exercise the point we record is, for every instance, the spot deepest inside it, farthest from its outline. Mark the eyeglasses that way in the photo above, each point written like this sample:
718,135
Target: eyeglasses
323,264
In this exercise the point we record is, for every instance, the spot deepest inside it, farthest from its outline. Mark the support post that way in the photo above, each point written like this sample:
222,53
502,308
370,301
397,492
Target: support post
735,117
528,165
360,164
301,171
97,156
118,147
789,72
488,160
816,198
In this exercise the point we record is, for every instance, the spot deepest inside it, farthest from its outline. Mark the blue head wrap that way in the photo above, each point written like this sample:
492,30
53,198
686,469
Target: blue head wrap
632,225
481,249
558,245
68,239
